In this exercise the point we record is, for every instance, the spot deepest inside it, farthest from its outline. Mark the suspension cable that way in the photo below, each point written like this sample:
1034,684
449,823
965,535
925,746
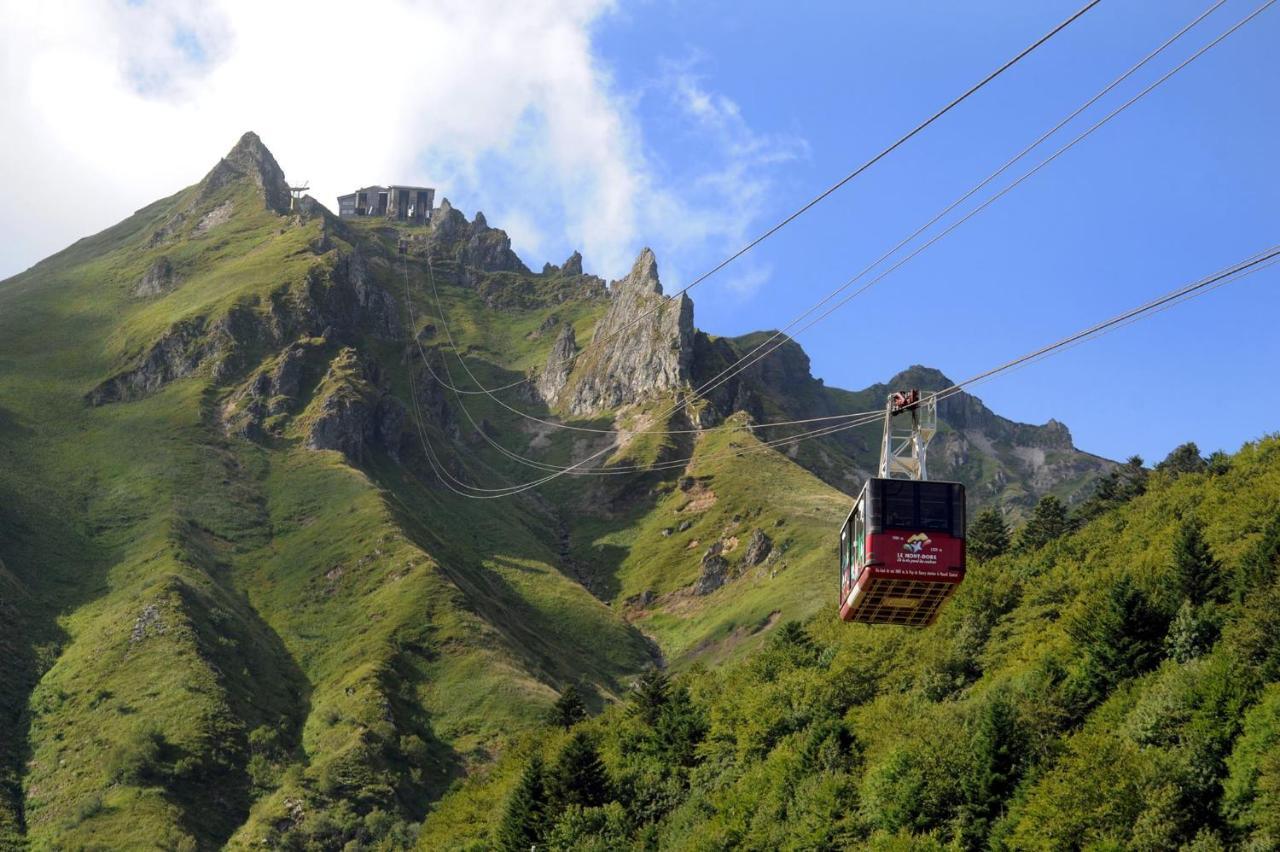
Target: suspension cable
756,354
1249,266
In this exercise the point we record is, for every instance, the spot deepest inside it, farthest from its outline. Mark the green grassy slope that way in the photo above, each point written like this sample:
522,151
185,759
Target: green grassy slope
241,603
1105,692
217,637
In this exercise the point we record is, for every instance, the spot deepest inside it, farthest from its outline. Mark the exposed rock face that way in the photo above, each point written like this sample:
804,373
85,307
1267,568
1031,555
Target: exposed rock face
475,245
758,548
251,159
572,266
158,279
336,298
559,364
783,373
271,392
642,345
215,217
715,571
351,413
175,355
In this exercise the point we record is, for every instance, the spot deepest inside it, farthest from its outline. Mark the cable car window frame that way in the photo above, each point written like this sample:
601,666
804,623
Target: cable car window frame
942,497
939,494
892,504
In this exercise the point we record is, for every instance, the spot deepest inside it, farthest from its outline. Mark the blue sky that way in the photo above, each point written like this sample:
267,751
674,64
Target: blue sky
690,127
1181,184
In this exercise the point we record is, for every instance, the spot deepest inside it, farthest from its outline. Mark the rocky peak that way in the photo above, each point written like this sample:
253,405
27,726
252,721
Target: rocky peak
642,345
571,267
475,245
643,277
250,159
927,379
556,373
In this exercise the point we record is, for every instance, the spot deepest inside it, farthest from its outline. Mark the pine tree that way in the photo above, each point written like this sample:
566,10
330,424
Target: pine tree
526,818
1120,635
578,777
988,537
679,729
1261,564
1218,463
1048,521
1132,479
569,708
1182,459
995,748
649,694
1197,575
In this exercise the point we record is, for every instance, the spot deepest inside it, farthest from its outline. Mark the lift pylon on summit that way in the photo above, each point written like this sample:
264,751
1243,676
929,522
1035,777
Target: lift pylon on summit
902,551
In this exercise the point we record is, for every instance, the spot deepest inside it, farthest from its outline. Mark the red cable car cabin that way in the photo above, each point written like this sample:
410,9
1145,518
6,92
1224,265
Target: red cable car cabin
901,551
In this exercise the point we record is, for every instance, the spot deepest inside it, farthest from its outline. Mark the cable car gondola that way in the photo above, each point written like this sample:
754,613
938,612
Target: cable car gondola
902,547
901,551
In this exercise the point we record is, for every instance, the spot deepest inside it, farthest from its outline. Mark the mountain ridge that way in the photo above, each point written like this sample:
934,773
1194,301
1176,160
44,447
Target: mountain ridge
233,457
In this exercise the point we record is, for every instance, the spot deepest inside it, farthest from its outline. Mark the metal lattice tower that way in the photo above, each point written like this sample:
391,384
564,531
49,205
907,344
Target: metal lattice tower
902,452
295,194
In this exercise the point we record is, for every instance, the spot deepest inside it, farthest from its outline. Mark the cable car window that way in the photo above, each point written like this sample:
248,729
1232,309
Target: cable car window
935,506
900,504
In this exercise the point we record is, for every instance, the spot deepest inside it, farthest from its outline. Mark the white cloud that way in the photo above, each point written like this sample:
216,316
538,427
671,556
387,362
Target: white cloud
502,105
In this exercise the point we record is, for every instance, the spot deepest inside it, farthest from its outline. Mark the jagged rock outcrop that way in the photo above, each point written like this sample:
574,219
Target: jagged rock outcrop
271,392
432,398
158,279
556,373
177,354
643,344
783,373
572,266
759,546
715,570
351,413
250,159
474,245
336,299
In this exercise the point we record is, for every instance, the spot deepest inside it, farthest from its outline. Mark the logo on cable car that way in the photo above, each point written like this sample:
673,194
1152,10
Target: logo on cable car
916,543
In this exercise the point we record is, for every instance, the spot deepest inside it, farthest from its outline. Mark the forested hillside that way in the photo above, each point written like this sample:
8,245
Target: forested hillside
1111,686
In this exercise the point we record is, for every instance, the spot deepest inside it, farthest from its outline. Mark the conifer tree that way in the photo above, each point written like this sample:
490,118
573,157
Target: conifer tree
989,535
1048,521
569,708
679,729
1120,635
649,694
579,777
995,749
1197,575
1118,487
526,818
1184,458
1259,567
